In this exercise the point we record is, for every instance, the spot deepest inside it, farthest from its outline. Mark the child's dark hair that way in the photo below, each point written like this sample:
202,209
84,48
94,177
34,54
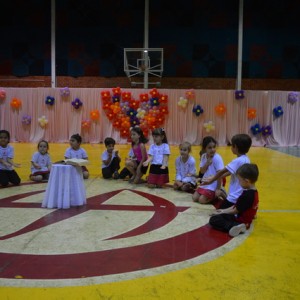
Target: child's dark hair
6,132
77,137
43,141
242,141
140,132
205,142
109,141
161,132
248,171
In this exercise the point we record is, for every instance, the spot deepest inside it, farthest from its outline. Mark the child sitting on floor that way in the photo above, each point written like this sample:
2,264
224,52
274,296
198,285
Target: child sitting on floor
238,218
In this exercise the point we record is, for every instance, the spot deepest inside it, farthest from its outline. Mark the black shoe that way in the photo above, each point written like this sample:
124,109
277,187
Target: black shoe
124,173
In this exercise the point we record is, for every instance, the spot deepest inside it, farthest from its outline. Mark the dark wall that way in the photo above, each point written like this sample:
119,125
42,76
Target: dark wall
199,37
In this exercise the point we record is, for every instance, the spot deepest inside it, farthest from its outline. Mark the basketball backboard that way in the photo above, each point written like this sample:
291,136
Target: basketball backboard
143,66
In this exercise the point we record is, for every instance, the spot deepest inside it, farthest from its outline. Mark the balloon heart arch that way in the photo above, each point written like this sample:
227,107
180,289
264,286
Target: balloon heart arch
148,112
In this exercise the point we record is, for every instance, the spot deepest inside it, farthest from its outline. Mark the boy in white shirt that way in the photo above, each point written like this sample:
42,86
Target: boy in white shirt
240,145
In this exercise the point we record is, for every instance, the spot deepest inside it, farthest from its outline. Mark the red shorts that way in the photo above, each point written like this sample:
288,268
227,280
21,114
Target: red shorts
207,193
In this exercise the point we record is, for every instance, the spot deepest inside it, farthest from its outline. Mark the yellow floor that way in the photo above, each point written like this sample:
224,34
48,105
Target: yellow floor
264,266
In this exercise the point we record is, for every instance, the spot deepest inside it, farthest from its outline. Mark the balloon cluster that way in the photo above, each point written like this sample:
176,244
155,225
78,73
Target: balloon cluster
94,114
190,94
65,92
198,110
264,130
2,94
76,103
16,103
50,100
293,97
148,112
182,102
255,129
43,121
220,109
277,111
209,126
26,120
86,124
251,113
239,94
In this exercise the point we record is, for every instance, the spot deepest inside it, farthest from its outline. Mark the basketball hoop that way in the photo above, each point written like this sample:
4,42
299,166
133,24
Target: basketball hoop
143,62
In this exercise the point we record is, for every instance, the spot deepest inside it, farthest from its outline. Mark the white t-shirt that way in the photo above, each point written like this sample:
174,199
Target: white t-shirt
79,153
216,165
184,168
5,153
235,189
158,152
43,161
105,156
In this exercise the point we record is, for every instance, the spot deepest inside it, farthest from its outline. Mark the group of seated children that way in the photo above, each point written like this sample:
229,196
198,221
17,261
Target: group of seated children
235,210
40,161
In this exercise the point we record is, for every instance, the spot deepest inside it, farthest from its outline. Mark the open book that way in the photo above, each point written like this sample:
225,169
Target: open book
73,162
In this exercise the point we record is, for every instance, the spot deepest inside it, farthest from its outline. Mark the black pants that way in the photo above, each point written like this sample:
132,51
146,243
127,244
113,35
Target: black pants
223,222
124,173
226,204
7,177
113,167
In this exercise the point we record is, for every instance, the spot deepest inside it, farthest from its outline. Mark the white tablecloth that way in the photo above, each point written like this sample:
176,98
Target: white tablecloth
65,187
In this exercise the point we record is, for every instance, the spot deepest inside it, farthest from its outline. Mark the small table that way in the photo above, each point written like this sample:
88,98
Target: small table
65,187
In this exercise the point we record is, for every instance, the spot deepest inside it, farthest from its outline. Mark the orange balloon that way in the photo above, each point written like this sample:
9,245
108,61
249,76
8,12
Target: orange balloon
16,103
86,124
251,113
220,109
94,114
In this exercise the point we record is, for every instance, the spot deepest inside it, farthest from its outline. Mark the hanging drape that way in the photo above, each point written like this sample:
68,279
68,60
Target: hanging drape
181,123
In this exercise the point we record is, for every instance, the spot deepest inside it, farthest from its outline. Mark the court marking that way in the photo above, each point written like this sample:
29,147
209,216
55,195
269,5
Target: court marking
189,251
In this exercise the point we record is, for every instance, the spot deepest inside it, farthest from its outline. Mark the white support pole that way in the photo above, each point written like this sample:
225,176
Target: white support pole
53,60
146,43
240,47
